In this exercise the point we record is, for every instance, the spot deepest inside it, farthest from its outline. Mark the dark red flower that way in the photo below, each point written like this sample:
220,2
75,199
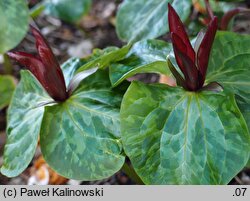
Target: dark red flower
192,62
44,67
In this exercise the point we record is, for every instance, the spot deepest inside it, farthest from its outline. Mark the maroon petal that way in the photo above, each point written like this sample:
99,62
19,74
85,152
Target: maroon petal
186,65
54,75
31,62
192,74
200,80
177,43
176,26
205,47
36,67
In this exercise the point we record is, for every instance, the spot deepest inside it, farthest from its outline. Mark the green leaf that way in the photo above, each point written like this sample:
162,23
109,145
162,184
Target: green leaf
69,68
229,63
248,163
14,23
7,87
80,138
143,19
103,58
219,7
245,109
176,137
36,10
67,10
145,56
24,120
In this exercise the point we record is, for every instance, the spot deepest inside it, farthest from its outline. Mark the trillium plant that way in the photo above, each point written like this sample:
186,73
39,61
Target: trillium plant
79,127
88,118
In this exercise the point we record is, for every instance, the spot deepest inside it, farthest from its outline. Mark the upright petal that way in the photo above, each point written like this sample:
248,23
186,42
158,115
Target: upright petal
191,77
205,47
54,75
178,43
186,65
176,26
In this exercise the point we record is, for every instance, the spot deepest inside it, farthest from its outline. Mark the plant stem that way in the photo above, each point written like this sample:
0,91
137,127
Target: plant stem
7,65
130,172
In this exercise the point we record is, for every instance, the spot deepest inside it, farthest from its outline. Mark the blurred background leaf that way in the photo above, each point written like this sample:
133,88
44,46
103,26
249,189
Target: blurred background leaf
7,86
147,19
14,17
68,10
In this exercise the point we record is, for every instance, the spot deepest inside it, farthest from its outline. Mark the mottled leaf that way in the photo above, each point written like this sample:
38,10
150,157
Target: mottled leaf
244,108
145,56
24,120
70,67
7,87
228,65
14,23
80,139
143,19
67,10
176,137
103,58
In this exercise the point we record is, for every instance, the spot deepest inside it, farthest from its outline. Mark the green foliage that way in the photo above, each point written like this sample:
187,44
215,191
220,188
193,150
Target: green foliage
171,136
219,7
24,120
99,58
145,56
14,23
7,86
248,163
67,10
144,19
177,137
103,58
80,138
229,64
245,109
70,67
